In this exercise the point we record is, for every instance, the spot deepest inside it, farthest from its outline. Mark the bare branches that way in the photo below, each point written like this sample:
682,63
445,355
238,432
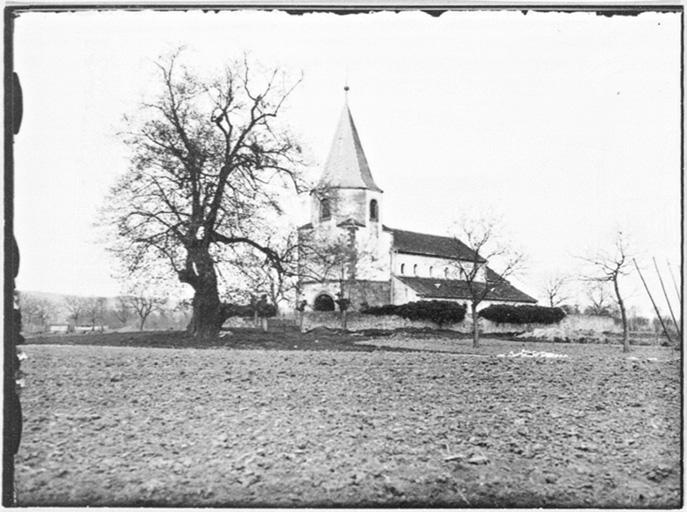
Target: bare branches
208,160
609,267
144,305
483,245
554,290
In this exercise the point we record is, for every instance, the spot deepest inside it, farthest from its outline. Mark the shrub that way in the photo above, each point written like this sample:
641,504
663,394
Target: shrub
505,314
438,311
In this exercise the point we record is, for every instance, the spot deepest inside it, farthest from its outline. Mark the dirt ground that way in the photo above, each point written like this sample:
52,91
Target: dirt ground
351,424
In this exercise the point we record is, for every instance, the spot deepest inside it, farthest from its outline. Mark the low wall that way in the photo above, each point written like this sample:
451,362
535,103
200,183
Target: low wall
238,322
589,323
360,322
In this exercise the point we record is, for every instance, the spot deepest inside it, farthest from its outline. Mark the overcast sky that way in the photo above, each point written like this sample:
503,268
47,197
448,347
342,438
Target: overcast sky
567,125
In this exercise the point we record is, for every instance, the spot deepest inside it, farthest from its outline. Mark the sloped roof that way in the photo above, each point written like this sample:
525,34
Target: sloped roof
346,165
431,288
410,242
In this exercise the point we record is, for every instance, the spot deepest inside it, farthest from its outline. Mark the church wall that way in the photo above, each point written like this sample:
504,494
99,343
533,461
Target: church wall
309,291
400,293
344,203
348,203
373,293
374,246
438,265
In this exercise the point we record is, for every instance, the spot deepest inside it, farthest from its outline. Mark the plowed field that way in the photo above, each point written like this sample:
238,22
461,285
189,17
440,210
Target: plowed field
220,427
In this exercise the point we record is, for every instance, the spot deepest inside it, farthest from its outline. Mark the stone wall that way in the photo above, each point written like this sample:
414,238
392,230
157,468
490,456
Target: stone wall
589,323
374,293
359,322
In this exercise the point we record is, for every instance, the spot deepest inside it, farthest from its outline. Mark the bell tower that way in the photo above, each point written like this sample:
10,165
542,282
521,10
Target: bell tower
346,192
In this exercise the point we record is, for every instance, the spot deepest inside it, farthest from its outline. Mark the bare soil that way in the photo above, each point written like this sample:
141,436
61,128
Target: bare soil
329,419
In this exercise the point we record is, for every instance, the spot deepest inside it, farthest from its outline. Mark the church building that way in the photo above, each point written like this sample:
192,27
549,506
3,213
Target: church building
390,266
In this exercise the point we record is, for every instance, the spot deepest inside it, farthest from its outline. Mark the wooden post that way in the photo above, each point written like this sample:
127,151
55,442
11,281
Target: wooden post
658,313
670,308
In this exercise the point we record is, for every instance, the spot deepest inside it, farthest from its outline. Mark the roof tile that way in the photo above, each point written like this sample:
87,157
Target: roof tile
431,288
410,242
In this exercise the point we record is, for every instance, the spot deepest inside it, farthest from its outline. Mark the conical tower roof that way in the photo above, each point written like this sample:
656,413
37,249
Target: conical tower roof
346,165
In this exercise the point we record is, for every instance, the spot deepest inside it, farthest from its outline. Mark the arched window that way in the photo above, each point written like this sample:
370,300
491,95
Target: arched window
374,210
415,269
445,272
403,268
323,303
431,271
325,211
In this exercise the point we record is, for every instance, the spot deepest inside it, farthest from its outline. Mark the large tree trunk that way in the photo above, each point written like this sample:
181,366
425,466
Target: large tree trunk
475,325
208,311
623,317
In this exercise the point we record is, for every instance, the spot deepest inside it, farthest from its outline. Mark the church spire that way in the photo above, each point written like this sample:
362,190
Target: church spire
346,165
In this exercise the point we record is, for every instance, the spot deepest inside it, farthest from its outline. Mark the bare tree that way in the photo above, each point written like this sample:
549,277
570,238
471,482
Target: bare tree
143,305
94,311
481,244
554,290
255,276
35,311
122,311
77,308
599,301
609,267
208,162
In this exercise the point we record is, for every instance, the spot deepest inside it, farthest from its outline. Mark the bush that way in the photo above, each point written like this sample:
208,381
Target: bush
438,311
505,314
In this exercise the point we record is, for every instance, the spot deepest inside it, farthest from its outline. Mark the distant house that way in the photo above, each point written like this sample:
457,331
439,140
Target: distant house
407,266
58,328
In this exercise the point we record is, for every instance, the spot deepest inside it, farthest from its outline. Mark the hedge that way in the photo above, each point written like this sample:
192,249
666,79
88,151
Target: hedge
505,314
438,311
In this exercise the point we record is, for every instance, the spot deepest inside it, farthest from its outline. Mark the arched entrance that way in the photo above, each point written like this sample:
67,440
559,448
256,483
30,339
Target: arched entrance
324,302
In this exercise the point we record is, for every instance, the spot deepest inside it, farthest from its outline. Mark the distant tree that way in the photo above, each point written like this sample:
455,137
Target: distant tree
610,267
481,236
598,298
209,160
35,311
122,310
554,290
639,323
77,308
571,309
94,311
143,305
183,312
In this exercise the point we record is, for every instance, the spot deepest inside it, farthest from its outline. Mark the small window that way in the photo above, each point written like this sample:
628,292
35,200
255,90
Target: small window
374,210
415,269
431,271
446,273
325,211
403,268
